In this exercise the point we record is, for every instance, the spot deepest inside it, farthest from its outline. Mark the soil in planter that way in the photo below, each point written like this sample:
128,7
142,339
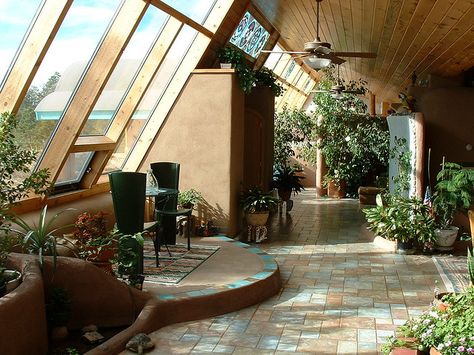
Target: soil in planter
75,341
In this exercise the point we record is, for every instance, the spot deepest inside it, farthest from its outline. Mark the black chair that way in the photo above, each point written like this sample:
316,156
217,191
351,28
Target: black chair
128,196
166,209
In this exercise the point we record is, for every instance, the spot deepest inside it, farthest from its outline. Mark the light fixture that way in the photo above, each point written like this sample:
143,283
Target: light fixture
317,63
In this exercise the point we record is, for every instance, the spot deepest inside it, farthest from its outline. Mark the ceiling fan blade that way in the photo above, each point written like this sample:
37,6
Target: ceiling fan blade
283,52
322,49
356,54
335,59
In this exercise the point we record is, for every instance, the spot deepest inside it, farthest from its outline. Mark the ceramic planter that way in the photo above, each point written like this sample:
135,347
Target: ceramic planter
226,65
257,218
405,248
335,191
445,238
15,281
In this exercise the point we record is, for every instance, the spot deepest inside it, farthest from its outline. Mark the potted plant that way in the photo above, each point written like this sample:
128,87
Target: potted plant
454,191
265,77
257,205
401,219
286,181
443,331
189,198
9,279
96,243
229,57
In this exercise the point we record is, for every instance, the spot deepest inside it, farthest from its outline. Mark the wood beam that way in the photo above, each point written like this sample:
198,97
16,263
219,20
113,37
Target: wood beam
133,98
181,17
89,90
32,53
92,143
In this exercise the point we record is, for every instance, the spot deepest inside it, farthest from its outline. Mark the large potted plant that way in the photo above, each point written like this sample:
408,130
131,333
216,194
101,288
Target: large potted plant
96,243
401,219
286,181
354,144
257,205
189,198
454,191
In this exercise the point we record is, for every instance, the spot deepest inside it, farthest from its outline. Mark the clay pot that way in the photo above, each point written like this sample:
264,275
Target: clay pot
335,191
257,218
284,194
434,351
445,238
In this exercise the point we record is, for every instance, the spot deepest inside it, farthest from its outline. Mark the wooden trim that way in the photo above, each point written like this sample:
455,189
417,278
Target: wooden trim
35,203
92,143
88,92
214,71
191,59
32,53
133,98
183,18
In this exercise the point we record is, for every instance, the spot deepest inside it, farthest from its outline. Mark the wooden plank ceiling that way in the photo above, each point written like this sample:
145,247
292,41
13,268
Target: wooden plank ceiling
426,36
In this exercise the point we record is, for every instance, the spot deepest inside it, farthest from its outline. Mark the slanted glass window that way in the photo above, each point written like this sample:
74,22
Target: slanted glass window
62,70
197,10
290,69
16,17
250,36
73,169
273,58
151,98
126,70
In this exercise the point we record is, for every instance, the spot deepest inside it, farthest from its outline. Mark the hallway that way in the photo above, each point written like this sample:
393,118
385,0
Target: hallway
341,294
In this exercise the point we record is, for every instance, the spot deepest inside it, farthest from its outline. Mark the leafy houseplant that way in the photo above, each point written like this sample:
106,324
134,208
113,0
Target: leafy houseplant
454,191
257,203
15,168
286,181
405,220
230,55
448,330
246,75
96,243
265,77
189,198
39,239
293,129
354,144
129,260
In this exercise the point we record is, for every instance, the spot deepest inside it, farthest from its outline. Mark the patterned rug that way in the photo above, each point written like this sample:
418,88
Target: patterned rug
453,271
176,267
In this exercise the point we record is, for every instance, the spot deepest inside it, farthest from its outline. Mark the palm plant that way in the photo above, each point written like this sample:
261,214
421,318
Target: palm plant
285,179
255,200
39,238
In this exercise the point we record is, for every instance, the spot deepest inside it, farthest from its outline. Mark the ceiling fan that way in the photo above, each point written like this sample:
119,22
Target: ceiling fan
339,89
319,54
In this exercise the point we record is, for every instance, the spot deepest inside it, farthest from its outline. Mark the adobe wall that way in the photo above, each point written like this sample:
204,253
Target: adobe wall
204,133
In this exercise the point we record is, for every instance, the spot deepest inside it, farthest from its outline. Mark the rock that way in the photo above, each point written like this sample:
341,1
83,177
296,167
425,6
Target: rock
93,337
90,328
140,343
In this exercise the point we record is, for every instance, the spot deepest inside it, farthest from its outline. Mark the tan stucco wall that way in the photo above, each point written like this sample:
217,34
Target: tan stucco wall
204,133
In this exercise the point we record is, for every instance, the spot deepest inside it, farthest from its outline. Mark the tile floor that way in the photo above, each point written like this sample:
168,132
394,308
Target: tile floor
341,294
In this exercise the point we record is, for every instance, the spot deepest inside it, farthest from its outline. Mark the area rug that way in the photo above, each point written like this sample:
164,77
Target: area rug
453,271
176,267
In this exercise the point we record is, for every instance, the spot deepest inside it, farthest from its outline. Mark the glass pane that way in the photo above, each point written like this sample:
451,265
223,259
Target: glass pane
273,58
15,19
151,98
72,171
290,69
129,64
250,36
196,10
62,69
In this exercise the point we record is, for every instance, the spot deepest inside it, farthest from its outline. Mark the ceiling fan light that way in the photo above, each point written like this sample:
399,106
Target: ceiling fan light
317,63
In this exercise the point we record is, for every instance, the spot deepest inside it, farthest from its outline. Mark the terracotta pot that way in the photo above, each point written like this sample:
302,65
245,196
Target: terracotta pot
434,351
335,191
445,238
257,218
284,194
